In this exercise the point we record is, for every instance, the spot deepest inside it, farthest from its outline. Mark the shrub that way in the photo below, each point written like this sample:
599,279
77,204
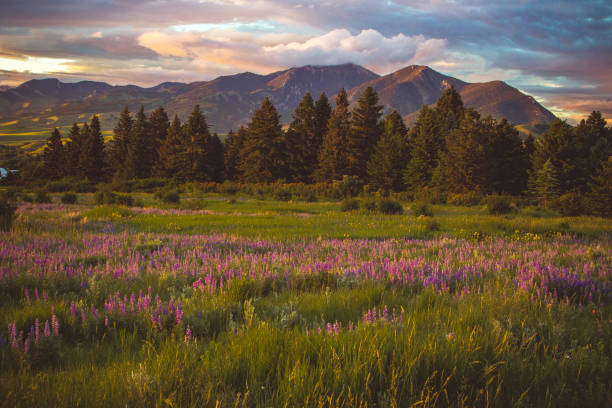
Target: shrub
41,197
59,186
69,198
468,199
430,196
350,186
571,204
497,204
7,212
388,206
422,209
349,204
282,195
106,196
169,197
370,205
431,224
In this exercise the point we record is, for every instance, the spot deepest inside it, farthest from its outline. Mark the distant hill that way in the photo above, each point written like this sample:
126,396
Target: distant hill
229,101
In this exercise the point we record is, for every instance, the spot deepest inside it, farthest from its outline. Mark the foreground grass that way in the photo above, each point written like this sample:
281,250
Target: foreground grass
293,304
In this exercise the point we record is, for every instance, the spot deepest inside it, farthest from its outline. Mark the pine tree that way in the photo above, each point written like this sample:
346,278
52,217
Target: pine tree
233,146
139,156
172,153
323,112
365,132
197,142
301,141
73,150
386,165
426,145
546,185
508,159
264,154
599,198
158,130
119,147
333,156
53,156
465,165
557,145
450,109
92,160
593,144
215,161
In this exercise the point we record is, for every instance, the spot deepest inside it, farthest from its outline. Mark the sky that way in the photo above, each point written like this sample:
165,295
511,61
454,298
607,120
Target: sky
560,52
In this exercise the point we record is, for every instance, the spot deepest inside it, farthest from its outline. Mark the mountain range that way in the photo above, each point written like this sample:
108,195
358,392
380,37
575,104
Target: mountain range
229,101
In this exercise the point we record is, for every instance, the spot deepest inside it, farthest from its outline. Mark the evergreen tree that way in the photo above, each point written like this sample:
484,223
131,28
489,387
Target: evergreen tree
365,132
158,130
233,146
172,153
546,184
215,160
557,145
139,157
426,144
465,164
333,155
508,159
264,154
450,109
599,198
593,144
301,140
198,140
53,156
386,165
323,112
119,146
73,150
92,160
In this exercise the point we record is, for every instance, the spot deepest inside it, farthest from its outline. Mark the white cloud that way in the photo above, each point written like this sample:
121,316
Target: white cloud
237,50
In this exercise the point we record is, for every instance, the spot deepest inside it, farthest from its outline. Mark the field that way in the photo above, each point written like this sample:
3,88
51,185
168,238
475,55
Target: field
232,301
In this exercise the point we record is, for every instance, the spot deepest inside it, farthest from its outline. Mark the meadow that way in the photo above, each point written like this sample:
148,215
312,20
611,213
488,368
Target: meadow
234,301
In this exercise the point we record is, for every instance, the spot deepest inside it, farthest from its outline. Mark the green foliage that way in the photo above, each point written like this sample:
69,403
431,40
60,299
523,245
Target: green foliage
108,197
427,143
54,157
571,204
302,140
7,211
386,165
498,204
349,204
599,198
69,198
432,225
118,150
233,146
171,155
545,184
92,160
169,196
41,196
264,153
421,209
281,194
388,206
470,198
366,130
333,154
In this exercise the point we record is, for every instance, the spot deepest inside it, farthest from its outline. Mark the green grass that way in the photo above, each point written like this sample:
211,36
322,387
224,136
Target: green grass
483,341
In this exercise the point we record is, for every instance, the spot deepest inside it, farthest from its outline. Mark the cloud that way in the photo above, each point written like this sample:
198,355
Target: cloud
244,51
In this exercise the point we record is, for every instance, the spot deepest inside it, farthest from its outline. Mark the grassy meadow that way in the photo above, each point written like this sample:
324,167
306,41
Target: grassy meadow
233,301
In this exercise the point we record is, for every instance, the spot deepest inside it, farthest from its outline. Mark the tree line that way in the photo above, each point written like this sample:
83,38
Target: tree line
449,148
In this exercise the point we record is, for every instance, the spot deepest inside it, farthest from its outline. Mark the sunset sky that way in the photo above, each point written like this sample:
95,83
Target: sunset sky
559,52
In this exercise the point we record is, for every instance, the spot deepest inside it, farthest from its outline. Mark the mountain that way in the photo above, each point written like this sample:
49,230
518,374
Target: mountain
229,101
409,88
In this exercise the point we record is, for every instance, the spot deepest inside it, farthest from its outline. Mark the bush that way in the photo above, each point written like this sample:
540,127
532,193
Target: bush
571,204
422,209
349,204
41,197
69,198
497,204
282,195
106,196
370,205
350,186
431,224
7,212
60,186
169,197
468,199
388,206
430,196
